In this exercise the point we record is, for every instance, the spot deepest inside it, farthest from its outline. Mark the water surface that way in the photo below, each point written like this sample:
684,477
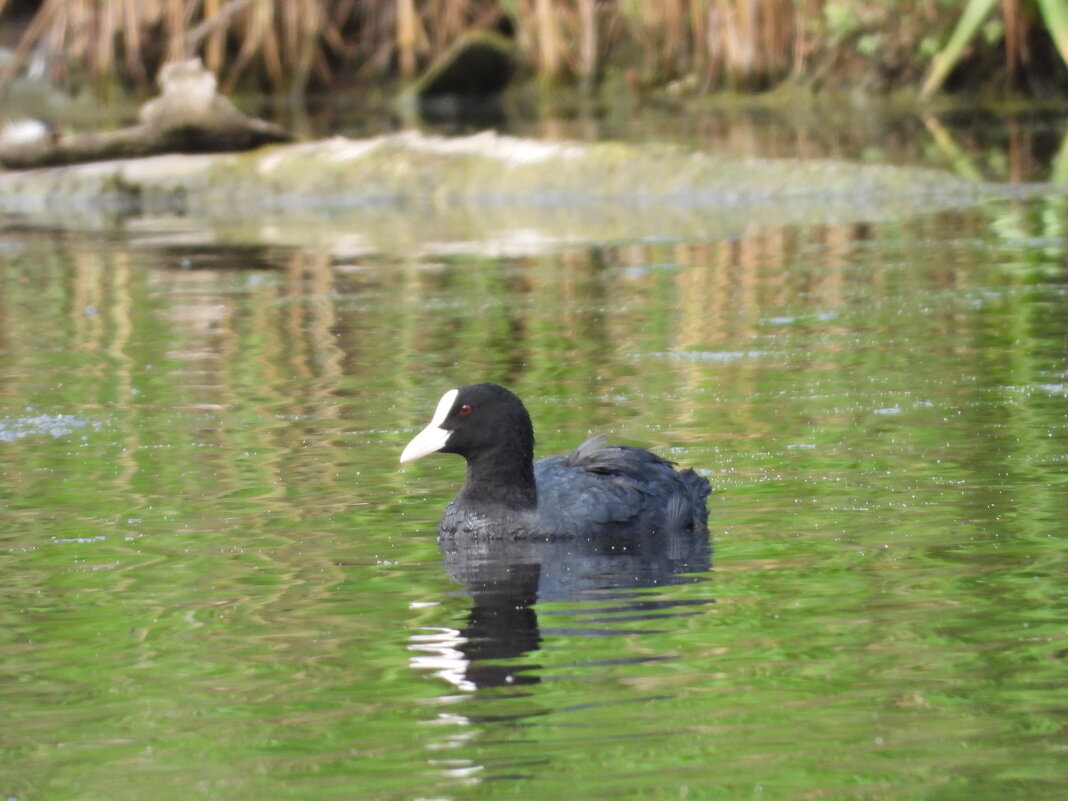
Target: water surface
220,584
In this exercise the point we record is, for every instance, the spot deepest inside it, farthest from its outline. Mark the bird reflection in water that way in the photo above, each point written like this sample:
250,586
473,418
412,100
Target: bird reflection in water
507,579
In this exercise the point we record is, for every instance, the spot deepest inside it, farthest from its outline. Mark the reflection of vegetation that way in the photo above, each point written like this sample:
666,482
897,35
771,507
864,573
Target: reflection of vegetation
276,347
877,404
1023,156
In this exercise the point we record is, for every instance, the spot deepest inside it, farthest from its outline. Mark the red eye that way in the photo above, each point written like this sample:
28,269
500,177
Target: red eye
465,409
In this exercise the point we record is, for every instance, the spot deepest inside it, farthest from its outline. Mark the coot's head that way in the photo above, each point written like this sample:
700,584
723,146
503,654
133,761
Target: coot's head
481,422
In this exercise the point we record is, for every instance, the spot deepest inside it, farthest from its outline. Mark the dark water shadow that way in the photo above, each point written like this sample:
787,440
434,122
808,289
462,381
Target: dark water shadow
611,586
455,114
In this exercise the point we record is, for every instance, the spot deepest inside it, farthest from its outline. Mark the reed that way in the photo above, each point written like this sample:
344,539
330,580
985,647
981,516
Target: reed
293,45
282,44
551,47
1016,27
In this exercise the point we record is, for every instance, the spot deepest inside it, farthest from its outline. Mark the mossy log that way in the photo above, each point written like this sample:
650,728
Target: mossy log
138,141
415,193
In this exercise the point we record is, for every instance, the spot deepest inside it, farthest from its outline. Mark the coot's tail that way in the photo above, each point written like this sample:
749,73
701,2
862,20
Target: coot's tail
698,486
689,511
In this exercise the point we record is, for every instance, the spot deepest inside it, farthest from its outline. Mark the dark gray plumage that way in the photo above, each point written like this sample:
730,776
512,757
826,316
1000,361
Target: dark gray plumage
595,491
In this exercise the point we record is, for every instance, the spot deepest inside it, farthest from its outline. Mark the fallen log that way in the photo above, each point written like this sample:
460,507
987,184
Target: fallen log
188,117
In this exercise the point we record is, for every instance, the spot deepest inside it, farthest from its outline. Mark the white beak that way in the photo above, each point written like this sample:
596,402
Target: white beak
433,437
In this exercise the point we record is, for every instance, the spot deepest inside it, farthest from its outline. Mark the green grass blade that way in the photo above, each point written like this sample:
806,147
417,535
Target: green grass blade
1055,13
974,13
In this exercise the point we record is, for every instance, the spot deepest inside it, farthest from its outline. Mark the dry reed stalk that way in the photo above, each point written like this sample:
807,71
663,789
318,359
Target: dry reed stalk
251,42
374,37
74,24
746,61
675,49
713,68
803,43
288,29
131,27
175,27
407,25
587,59
214,25
699,30
550,55
452,18
331,30
648,17
726,39
102,49
213,45
269,45
1016,52
634,15
765,36
290,42
305,42
775,23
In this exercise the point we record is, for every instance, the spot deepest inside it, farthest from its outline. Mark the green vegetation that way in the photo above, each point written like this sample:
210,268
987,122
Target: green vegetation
292,46
1012,31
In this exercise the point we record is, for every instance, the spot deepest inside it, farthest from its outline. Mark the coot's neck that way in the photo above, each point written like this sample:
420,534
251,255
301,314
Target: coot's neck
501,476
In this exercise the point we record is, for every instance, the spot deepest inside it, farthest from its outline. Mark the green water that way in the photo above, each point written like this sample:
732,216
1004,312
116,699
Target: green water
218,583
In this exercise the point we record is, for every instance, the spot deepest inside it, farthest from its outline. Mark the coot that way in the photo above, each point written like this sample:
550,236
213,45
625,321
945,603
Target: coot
597,490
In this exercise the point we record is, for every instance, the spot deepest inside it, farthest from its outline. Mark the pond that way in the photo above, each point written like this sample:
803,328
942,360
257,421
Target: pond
219,582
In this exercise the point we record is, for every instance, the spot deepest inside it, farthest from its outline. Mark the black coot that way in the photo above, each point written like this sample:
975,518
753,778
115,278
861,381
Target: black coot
595,491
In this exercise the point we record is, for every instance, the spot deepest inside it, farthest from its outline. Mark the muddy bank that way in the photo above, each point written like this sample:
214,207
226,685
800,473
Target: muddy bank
484,185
